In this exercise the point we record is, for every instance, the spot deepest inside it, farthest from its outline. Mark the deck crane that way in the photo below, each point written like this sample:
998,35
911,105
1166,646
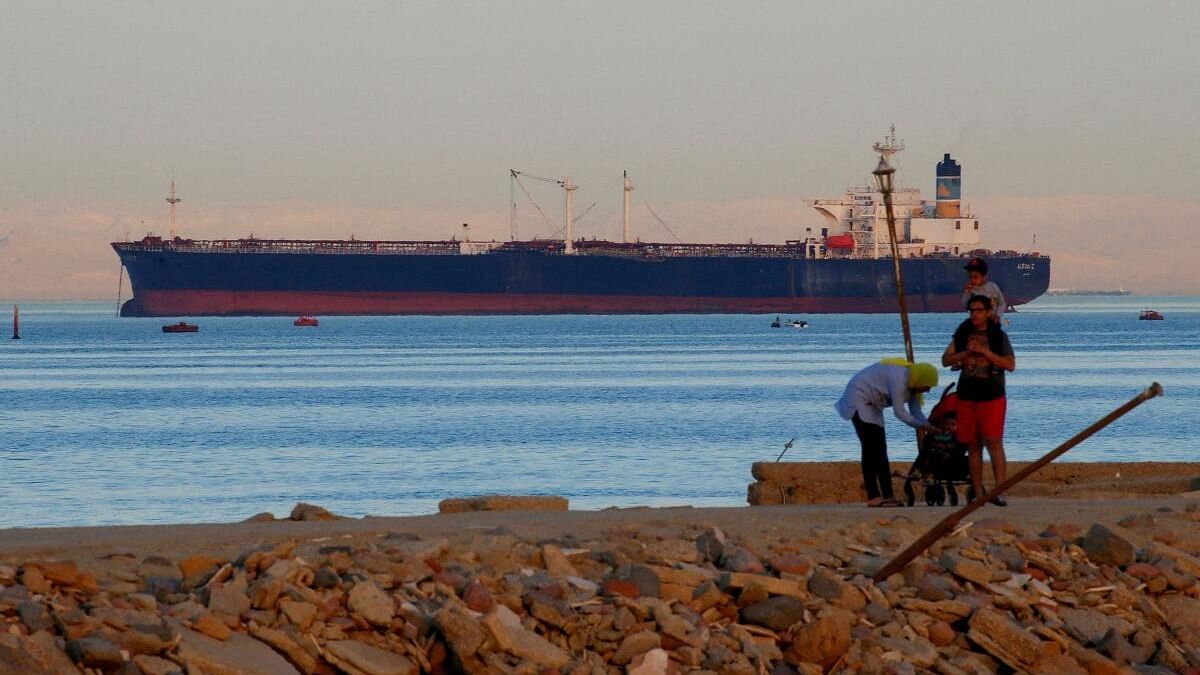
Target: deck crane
568,218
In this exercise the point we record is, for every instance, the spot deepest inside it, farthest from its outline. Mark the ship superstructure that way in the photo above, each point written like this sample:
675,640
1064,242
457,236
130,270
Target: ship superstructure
856,223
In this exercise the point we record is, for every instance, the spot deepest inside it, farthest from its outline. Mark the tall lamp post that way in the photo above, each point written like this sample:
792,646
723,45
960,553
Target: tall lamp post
883,179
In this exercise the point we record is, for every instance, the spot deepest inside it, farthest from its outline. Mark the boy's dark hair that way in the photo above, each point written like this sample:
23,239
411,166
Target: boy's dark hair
950,415
987,302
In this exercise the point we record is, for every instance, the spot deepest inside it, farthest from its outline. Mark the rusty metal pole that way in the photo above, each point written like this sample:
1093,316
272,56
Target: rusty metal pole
883,175
948,523
16,323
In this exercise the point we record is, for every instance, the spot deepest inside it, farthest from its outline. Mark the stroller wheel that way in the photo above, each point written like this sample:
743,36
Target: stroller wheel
953,494
909,496
939,494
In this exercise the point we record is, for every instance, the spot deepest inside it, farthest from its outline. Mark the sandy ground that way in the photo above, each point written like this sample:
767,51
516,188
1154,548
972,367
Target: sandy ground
755,526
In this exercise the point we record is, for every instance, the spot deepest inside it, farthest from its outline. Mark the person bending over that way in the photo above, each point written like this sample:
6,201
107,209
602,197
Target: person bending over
891,383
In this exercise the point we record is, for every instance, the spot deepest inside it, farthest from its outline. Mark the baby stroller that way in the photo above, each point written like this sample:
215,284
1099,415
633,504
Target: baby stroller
939,467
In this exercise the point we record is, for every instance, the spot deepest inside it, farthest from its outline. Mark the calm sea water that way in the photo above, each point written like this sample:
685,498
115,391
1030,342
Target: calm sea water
106,420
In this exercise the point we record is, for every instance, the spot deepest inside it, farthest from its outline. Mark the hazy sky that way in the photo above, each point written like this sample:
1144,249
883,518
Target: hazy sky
1075,121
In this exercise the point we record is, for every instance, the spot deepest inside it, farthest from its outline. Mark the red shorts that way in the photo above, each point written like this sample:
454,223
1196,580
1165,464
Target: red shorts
981,419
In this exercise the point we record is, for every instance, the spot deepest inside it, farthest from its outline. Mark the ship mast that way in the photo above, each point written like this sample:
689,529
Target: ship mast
628,200
886,148
889,145
570,187
173,199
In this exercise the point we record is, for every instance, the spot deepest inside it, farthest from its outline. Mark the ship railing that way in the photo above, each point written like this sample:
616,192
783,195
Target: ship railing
318,246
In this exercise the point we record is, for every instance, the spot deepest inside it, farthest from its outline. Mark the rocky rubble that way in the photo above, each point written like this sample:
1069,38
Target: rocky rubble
990,597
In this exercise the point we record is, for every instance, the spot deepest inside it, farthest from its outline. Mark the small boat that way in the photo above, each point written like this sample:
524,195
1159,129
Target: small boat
776,324
306,321
1150,315
799,324
181,327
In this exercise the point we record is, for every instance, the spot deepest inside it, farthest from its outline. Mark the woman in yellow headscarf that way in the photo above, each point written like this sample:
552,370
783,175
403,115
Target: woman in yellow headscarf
894,383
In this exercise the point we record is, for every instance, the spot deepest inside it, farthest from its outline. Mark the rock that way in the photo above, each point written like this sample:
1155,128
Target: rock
63,573
197,569
965,568
14,660
826,584
370,601
153,665
463,634
791,564
621,587
239,655
1089,626
35,616
933,587
822,642
302,511
672,551
878,614
646,581
711,545
1117,648
95,652
229,599
358,658
503,503
1143,571
289,643
35,581
506,629
264,517
211,626
299,613
556,562
1142,521
941,634
636,644
999,636
44,651
326,577
777,613
478,597
1105,547
739,559
653,662
917,651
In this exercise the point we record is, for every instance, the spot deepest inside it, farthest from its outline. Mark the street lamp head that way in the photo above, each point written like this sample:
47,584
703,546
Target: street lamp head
883,175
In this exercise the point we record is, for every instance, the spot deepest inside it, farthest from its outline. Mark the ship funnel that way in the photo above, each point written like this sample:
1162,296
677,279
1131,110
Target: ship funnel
949,188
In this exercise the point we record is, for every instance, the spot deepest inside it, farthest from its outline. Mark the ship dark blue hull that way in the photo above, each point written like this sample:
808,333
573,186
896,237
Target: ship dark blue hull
170,281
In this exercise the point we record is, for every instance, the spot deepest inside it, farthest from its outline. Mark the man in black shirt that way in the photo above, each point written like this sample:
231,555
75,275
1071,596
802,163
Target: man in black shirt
981,348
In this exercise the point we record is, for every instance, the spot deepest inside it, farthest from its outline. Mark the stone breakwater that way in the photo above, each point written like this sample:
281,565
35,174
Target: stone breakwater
841,482
672,597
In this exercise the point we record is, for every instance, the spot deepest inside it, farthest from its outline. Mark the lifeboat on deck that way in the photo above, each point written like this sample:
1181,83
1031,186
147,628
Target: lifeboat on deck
306,321
181,327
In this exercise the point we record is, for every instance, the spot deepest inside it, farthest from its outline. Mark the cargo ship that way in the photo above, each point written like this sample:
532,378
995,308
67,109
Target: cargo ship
843,267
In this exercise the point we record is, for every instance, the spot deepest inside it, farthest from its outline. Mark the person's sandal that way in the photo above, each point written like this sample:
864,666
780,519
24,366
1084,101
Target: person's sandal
891,503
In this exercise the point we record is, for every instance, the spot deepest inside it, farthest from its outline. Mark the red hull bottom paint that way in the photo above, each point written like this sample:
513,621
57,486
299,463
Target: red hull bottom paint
202,302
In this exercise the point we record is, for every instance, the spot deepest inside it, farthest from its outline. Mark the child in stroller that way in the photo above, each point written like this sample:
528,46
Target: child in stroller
942,460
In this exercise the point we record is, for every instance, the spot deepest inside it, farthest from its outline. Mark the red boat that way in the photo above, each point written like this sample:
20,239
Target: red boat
306,321
1150,315
181,327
